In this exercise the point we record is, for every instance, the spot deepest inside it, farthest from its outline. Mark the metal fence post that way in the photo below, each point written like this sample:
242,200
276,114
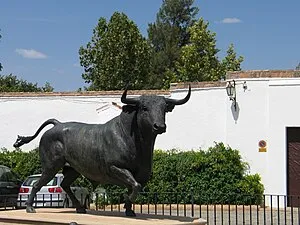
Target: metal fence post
192,202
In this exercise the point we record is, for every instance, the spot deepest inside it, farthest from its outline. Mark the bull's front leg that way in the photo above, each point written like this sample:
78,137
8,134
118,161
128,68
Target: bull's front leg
125,176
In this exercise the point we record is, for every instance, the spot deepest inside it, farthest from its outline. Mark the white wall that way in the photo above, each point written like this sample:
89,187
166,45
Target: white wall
250,124
264,110
24,115
198,123
284,112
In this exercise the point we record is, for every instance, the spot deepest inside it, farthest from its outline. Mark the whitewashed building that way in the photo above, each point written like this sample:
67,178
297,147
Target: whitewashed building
264,125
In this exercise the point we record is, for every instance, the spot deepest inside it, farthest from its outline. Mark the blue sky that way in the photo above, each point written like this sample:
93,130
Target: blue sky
40,39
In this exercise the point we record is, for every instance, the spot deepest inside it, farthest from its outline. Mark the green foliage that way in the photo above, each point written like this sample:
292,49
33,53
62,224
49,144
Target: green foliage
47,87
22,163
217,175
11,83
179,48
199,61
28,163
167,35
231,62
184,49
249,186
116,55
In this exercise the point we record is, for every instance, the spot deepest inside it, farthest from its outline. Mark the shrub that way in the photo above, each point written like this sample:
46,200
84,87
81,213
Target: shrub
22,163
217,175
27,163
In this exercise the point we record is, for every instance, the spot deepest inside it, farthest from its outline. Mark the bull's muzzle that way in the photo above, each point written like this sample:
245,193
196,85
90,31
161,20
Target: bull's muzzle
159,128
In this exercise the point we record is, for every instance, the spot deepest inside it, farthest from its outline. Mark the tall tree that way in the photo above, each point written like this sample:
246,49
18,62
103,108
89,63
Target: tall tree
116,55
11,83
231,62
167,35
199,61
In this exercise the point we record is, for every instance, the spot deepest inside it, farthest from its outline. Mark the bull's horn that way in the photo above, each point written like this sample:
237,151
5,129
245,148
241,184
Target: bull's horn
130,101
180,101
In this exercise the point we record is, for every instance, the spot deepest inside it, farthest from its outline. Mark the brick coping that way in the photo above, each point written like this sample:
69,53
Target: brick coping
247,74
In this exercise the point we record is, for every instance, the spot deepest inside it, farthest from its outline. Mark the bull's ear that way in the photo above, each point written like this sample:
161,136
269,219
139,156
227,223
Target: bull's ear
170,107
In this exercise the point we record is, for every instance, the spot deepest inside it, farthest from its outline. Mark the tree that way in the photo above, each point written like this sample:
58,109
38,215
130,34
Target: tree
199,61
11,83
167,35
231,62
116,55
47,87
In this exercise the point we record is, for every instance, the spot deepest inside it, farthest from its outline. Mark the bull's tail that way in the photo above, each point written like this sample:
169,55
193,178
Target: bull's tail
21,140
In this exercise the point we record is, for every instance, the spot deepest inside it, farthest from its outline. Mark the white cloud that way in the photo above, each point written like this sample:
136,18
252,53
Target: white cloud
231,20
76,65
59,71
30,53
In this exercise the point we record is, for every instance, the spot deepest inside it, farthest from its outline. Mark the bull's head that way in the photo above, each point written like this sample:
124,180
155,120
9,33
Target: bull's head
151,110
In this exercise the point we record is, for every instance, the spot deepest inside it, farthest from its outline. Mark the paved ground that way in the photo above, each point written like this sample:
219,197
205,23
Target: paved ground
46,216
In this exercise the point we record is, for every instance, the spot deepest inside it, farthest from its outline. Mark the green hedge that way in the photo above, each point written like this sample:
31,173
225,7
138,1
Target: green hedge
217,175
22,163
28,163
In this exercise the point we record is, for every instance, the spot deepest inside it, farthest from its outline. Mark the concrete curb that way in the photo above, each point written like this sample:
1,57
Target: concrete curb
27,221
46,216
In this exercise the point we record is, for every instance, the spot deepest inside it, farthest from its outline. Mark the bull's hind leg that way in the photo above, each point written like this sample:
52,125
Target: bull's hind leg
70,175
125,177
52,161
44,179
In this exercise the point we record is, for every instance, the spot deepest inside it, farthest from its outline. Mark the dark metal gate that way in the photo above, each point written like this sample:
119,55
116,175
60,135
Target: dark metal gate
293,165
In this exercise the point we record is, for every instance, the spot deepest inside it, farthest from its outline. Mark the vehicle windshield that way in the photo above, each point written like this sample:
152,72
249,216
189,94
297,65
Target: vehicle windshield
31,180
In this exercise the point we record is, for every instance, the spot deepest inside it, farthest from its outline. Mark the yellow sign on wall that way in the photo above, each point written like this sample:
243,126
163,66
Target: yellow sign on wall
262,149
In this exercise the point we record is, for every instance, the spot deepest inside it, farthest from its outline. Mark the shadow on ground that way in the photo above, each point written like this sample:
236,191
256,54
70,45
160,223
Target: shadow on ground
138,215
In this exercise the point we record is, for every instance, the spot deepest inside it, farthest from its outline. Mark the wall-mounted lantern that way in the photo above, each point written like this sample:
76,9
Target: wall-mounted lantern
245,86
230,89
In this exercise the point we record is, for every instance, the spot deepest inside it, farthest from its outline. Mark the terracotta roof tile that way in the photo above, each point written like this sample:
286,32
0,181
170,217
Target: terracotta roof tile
174,86
84,93
209,84
263,74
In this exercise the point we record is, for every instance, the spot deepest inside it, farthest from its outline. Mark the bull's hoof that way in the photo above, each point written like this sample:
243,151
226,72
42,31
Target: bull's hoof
81,210
130,213
30,209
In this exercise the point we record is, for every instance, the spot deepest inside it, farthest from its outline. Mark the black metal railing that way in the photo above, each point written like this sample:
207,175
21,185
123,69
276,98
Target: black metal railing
243,209
49,200
268,210
8,201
